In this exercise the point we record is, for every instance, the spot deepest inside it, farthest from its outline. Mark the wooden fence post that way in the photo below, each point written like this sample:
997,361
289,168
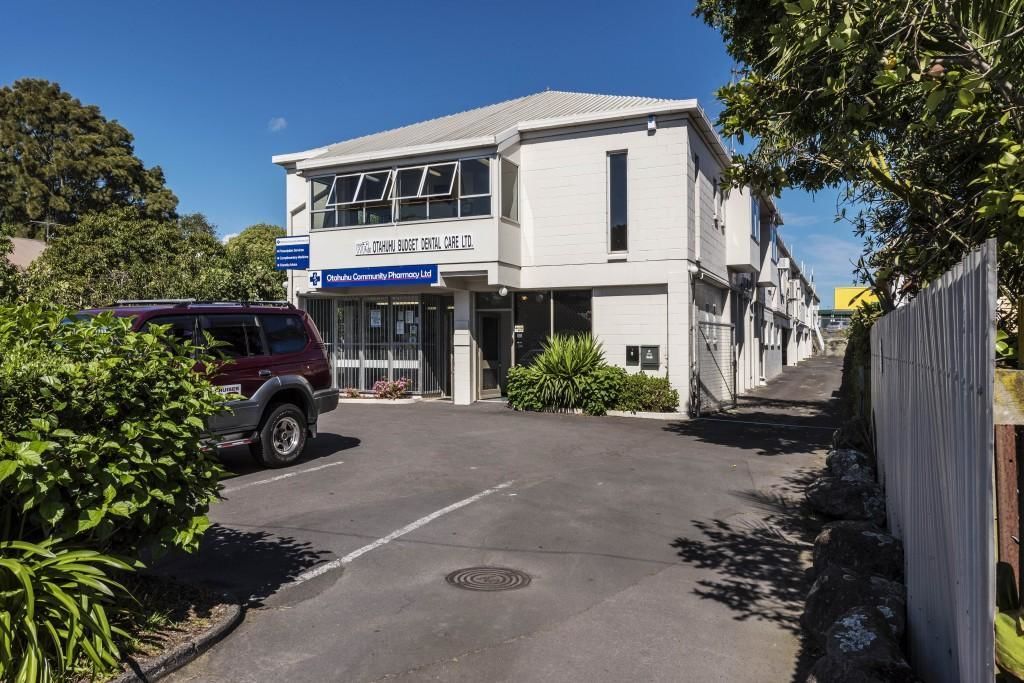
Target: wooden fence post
1008,510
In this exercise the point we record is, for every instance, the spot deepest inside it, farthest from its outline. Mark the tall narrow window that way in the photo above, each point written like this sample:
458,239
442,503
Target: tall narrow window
509,190
696,193
755,220
617,212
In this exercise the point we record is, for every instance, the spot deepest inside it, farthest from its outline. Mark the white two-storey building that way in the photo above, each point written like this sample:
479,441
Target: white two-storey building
447,251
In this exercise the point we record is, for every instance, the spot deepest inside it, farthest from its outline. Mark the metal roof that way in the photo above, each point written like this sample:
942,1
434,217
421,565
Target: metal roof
484,124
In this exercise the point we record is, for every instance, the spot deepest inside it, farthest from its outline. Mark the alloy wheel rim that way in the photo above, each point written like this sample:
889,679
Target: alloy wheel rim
285,435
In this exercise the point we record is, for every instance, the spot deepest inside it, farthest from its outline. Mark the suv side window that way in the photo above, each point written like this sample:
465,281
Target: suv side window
285,333
239,334
182,326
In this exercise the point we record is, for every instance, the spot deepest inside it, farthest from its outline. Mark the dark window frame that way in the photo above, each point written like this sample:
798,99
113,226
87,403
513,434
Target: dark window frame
261,321
612,238
256,326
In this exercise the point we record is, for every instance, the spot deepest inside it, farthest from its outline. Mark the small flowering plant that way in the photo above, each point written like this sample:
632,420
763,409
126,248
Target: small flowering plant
391,389
351,392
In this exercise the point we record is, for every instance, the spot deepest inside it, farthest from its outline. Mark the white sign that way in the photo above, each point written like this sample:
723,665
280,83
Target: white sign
230,389
412,245
375,319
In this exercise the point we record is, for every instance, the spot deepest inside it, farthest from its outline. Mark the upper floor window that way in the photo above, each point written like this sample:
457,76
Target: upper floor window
451,189
509,190
719,204
755,220
696,192
617,202
775,243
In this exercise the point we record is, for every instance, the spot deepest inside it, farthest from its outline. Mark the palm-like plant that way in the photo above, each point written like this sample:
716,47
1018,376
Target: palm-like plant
563,367
52,611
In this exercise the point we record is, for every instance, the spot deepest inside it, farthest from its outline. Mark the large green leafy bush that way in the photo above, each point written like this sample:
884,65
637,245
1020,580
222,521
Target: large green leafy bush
644,393
563,367
100,432
54,611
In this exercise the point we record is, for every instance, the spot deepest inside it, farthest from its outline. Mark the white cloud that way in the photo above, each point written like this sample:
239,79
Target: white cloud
226,238
277,123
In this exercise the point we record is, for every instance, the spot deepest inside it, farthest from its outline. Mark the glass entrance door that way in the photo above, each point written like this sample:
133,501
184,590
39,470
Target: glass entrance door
494,341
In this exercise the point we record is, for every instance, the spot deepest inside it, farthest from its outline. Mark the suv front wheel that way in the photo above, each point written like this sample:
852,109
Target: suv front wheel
282,436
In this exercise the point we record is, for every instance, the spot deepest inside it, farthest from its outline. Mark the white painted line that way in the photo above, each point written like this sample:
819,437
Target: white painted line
397,533
766,424
279,477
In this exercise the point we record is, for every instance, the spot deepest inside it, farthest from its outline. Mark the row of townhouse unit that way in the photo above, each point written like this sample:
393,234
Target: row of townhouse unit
447,251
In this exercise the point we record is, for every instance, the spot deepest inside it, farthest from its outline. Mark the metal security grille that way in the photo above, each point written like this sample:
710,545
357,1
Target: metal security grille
715,386
322,313
381,337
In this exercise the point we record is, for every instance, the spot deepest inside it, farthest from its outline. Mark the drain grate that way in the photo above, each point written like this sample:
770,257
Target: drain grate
488,579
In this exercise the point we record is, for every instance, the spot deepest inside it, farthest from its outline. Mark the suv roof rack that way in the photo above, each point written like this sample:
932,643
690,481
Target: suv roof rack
194,302
154,302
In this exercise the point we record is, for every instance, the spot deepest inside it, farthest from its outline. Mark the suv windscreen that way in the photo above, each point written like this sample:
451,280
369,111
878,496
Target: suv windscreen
239,335
285,333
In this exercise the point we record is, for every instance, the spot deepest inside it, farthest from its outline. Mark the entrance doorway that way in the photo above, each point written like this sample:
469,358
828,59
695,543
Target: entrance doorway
494,339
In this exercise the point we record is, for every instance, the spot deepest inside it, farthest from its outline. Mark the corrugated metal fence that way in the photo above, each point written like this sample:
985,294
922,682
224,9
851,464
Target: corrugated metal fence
932,366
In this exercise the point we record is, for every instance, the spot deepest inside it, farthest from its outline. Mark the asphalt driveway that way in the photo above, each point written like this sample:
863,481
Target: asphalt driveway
657,551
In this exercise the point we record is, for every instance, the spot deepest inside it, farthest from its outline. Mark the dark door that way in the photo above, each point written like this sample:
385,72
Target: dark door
495,352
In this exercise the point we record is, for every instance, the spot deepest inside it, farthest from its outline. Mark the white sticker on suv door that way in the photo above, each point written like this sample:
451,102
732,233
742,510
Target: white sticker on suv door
230,388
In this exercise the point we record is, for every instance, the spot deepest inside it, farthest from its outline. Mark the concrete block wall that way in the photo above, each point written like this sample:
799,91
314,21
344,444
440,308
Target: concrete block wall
631,316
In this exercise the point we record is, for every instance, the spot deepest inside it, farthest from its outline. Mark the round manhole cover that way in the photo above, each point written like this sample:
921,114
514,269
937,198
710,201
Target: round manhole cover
488,579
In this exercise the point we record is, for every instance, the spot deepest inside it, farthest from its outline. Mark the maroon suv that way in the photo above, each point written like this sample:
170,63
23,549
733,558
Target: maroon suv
278,364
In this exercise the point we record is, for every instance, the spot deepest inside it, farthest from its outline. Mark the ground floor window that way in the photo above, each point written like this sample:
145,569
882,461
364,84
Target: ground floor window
376,338
541,313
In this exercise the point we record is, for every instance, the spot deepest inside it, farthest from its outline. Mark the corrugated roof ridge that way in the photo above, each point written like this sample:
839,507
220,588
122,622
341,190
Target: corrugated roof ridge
433,120
496,109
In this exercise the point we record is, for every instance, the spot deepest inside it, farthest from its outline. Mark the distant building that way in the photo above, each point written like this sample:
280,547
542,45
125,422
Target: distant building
850,297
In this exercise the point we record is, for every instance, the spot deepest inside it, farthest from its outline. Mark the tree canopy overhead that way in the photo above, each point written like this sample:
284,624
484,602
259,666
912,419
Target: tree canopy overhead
917,109
60,159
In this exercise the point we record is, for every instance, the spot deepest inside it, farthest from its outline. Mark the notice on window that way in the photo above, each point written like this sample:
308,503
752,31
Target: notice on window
410,316
399,327
375,317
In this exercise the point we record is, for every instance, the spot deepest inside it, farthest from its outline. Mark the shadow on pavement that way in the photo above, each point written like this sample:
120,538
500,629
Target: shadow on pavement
798,434
250,565
759,558
238,461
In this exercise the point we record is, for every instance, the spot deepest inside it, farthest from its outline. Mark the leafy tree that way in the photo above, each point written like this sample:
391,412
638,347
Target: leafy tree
250,258
119,254
916,109
9,275
60,159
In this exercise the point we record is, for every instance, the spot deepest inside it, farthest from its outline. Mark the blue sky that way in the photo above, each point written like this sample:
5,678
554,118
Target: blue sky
212,89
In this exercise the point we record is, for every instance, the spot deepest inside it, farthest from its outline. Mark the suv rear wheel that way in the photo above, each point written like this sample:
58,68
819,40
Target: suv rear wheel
282,436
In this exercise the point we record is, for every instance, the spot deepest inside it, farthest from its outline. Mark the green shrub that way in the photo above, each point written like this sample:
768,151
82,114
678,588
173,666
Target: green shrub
643,393
562,369
855,390
601,388
570,374
53,611
521,389
100,433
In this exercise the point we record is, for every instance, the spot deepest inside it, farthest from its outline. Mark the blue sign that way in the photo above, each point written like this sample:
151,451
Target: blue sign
291,253
373,276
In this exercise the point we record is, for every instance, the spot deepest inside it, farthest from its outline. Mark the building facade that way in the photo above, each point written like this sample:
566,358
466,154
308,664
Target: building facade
447,251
